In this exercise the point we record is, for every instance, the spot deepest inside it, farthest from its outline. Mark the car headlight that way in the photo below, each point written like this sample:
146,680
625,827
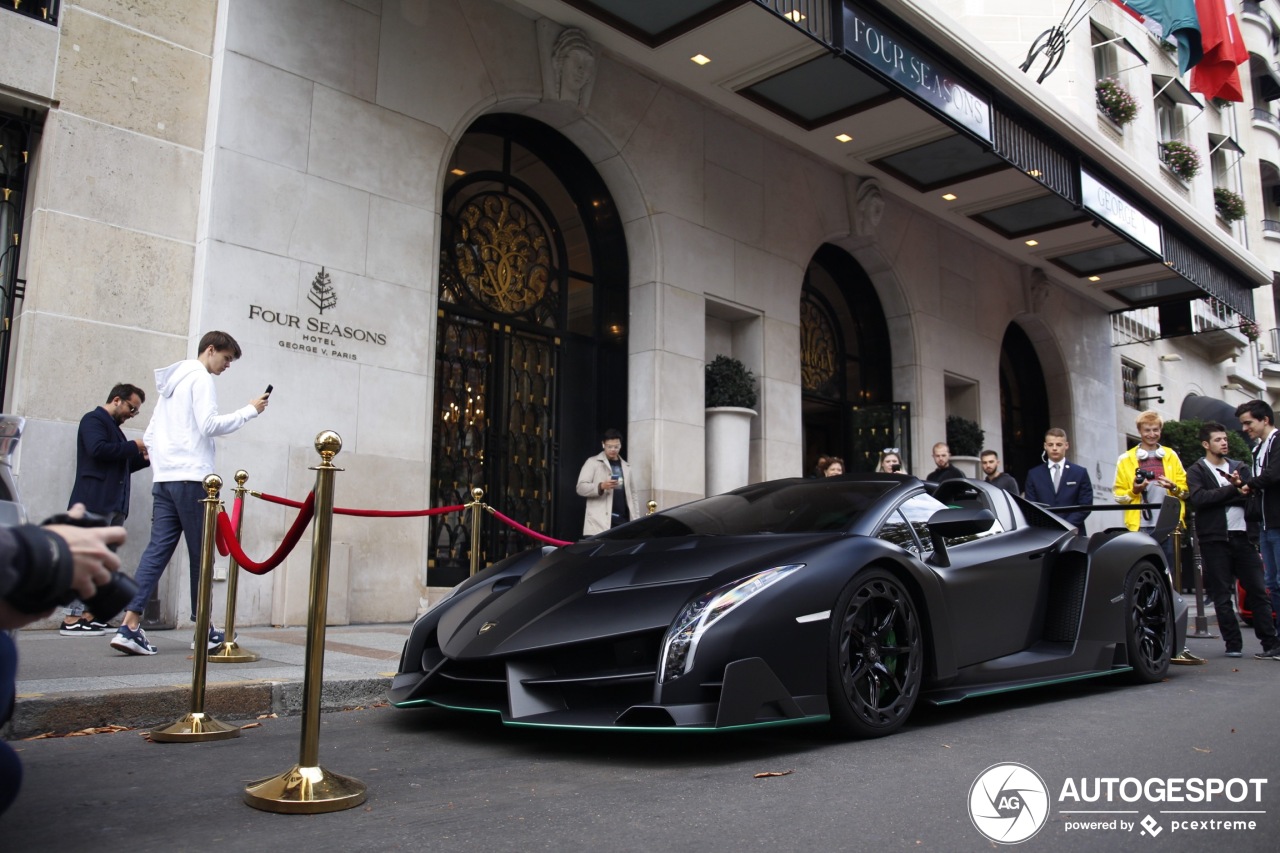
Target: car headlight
681,642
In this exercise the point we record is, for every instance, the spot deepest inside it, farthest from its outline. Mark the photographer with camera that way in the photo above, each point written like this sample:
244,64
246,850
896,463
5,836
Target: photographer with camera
1146,473
41,568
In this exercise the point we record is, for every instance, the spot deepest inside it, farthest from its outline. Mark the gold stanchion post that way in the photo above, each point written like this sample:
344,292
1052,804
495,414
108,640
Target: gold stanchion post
477,508
653,507
230,651
197,725
1177,558
307,788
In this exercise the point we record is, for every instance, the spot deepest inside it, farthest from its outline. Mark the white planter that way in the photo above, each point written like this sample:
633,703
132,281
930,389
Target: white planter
728,430
970,465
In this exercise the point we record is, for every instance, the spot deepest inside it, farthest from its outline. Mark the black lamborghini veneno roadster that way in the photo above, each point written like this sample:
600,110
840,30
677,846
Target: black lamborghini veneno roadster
844,599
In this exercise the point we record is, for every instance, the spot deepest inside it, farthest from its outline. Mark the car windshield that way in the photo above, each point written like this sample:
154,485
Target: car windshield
791,506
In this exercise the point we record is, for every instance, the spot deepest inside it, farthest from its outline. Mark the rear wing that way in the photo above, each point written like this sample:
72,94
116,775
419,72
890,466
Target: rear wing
1166,521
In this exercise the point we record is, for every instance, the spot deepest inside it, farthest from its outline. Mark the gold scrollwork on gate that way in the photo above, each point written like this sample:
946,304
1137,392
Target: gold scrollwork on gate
817,346
502,253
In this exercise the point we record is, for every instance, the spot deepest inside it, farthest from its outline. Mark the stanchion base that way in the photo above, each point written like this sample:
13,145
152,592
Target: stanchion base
194,728
232,652
305,790
1185,658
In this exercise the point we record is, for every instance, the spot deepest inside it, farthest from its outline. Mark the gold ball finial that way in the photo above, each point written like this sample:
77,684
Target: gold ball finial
477,494
328,445
213,485
242,477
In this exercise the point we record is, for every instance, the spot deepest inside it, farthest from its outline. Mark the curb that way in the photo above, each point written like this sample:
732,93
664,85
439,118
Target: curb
146,707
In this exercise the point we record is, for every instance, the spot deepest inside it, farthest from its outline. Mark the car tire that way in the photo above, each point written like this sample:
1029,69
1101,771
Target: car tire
875,660
1148,623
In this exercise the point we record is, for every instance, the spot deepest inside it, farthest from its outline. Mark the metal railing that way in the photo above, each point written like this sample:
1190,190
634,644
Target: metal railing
1271,225
812,16
1266,116
41,10
1138,325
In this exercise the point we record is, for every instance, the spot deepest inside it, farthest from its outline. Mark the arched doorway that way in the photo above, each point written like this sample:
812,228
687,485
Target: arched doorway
846,366
531,356
1024,403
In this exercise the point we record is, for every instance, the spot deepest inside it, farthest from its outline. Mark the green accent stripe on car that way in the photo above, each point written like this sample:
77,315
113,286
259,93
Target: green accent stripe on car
817,718
1029,685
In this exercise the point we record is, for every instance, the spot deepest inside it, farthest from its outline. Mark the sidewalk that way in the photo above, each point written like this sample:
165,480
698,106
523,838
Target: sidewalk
70,683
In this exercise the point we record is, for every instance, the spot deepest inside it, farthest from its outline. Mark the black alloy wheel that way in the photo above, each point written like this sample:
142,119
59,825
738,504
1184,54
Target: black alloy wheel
875,662
1148,623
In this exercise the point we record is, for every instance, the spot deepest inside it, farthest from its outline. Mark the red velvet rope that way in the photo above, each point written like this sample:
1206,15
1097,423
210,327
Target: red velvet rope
515,525
367,513
227,533
236,509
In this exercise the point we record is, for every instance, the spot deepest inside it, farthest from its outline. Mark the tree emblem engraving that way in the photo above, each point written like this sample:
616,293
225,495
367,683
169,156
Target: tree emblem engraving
322,294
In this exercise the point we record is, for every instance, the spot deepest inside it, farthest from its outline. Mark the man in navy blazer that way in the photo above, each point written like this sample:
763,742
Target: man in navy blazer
1074,487
105,462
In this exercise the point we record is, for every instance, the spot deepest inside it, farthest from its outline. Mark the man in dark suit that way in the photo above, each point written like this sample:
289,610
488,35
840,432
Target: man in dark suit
105,462
1058,482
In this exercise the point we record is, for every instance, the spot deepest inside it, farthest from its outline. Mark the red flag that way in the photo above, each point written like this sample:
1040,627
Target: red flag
1218,74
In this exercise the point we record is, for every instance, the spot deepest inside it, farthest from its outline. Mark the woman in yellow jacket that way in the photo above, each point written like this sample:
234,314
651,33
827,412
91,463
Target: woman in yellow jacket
1161,473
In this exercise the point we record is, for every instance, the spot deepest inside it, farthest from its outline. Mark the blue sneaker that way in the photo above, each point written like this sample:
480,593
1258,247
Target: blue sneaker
215,638
132,642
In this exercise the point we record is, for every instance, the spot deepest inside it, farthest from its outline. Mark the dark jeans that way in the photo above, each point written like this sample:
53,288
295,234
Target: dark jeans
176,511
1224,563
10,767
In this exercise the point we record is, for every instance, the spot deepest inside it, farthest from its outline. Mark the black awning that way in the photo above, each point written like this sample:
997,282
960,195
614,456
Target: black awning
1200,408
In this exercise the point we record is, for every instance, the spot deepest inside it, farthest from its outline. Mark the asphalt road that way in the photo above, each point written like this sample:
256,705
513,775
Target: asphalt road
440,781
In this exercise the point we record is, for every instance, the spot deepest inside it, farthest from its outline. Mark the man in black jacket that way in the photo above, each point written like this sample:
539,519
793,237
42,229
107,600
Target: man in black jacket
105,461
1259,421
1229,543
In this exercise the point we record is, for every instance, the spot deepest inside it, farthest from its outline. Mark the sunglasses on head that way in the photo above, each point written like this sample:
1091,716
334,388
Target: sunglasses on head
891,450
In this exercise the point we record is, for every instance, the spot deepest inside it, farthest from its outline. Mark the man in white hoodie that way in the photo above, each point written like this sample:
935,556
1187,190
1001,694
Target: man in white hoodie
180,442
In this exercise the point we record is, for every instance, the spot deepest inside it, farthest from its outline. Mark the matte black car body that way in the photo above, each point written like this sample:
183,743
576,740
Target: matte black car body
865,614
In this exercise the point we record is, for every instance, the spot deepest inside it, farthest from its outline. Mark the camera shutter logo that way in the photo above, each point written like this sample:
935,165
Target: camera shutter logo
1008,803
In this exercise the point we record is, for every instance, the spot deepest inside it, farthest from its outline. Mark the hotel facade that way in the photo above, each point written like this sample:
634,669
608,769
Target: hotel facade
470,235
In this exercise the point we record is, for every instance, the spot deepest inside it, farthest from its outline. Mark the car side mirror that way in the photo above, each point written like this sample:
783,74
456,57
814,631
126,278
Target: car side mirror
950,523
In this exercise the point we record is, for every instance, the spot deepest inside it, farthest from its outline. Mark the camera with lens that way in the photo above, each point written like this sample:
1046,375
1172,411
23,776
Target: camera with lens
1142,475
115,594
107,602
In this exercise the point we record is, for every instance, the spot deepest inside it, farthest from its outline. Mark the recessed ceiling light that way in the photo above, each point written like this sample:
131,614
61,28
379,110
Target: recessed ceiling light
844,137
949,196
1035,173
456,171
700,59
1033,242
794,15
1095,278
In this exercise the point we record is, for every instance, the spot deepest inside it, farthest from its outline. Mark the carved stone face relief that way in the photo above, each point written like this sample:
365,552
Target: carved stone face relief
570,68
868,207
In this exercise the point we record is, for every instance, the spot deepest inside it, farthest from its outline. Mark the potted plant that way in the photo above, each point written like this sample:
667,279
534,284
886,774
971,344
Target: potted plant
730,399
729,383
1181,158
1229,204
1115,102
964,438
